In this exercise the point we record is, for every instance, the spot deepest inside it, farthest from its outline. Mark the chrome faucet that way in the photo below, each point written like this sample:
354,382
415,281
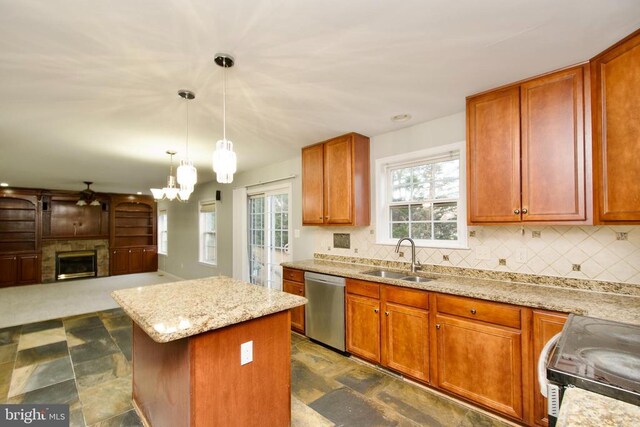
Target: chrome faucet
414,264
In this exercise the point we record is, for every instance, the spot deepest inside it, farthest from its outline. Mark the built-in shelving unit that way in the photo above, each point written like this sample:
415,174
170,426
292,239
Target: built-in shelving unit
18,224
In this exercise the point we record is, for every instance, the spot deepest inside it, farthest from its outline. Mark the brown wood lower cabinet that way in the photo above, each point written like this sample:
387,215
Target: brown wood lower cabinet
293,283
545,326
392,329
480,362
19,269
363,327
133,260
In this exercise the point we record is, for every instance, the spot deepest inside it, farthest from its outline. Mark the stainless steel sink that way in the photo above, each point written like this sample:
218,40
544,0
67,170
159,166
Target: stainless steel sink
416,279
397,275
385,273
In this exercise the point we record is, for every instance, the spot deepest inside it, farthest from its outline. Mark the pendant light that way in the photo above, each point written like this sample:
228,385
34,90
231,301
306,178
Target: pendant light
224,159
186,174
170,192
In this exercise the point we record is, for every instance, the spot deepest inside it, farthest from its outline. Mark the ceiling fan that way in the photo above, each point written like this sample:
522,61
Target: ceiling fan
88,196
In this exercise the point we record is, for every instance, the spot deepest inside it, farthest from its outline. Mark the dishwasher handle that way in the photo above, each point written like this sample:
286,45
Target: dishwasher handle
324,279
542,363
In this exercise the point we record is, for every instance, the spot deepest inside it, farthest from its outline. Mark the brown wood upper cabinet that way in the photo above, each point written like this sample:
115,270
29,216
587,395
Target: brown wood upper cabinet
527,157
335,182
616,132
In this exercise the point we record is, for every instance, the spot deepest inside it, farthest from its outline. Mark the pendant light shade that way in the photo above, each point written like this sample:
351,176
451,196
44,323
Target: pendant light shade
186,174
224,158
171,191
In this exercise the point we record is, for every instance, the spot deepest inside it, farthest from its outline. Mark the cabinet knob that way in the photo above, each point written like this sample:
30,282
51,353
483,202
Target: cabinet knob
473,311
516,211
320,218
129,250
375,310
386,313
326,217
437,325
524,210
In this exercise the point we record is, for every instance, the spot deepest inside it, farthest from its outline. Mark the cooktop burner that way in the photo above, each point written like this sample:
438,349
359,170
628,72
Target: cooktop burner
598,355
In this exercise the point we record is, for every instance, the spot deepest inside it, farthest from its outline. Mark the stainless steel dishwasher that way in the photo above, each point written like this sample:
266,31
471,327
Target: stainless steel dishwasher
324,313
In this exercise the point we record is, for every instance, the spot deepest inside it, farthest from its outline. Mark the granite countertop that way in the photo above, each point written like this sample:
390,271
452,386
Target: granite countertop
616,307
583,408
171,311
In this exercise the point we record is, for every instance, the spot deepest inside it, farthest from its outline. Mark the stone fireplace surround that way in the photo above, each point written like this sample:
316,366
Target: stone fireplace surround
50,247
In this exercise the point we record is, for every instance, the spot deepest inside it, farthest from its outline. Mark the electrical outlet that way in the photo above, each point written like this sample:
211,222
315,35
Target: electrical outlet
483,252
246,352
296,233
521,255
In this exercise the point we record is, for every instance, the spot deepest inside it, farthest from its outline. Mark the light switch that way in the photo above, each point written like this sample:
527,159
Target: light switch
246,352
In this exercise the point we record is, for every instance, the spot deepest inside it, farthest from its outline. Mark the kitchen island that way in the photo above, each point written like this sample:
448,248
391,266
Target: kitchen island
186,354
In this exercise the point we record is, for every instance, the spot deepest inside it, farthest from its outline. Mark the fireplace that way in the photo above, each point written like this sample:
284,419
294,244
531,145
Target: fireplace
76,264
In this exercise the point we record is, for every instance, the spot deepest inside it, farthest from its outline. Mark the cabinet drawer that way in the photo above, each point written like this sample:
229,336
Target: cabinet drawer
486,311
293,288
293,275
367,289
409,297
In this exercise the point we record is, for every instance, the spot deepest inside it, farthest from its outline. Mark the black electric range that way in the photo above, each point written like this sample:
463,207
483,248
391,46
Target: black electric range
600,356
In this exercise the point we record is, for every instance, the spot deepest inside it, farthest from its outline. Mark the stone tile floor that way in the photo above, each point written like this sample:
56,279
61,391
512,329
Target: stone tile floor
84,361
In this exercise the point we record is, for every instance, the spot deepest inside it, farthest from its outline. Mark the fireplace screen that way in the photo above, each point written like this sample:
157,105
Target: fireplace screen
73,265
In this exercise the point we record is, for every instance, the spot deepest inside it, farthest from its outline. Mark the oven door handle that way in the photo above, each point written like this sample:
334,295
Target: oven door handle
542,363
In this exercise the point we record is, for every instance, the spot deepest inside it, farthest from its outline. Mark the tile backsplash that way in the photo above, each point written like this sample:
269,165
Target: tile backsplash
606,253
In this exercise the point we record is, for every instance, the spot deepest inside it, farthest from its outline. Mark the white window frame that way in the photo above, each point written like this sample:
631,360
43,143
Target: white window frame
201,233
383,184
161,250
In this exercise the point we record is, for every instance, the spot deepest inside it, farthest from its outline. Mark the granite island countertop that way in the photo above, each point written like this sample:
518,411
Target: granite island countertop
604,305
582,408
172,311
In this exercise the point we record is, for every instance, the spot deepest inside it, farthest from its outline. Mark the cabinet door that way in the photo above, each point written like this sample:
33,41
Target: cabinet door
363,327
136,260
553,147
313,184
405,340
493,164
297,313
119,261
480,362
8,270
28,269
338,181
150,259
545,326
616,132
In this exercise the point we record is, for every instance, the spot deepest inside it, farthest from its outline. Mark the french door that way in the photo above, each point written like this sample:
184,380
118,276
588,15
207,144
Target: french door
268,236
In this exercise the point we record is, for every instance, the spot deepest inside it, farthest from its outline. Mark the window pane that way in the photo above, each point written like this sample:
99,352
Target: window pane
285,221
446,230
401,177
420,212
421,230
421,192
278,221
421,174
399,230
448,189
401,194
285,238
445,211
278,239
399,213
446,170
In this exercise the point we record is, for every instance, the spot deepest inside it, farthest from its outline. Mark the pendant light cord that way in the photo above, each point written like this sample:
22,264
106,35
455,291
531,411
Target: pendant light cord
224,99
187,144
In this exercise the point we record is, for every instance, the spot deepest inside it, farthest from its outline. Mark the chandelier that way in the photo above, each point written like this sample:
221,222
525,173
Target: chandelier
88,196
186,174
170,192
224,158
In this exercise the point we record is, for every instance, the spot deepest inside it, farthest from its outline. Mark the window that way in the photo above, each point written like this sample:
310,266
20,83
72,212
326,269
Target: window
421,196
208,236
162,232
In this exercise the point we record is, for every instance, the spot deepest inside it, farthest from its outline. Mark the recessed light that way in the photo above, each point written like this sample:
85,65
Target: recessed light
139,193
3,184
401,118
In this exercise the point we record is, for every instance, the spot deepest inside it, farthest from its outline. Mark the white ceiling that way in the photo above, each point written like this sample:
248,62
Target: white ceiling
88,89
